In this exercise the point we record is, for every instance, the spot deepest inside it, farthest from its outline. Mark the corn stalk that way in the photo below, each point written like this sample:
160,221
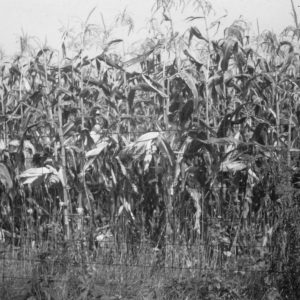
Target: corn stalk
66,200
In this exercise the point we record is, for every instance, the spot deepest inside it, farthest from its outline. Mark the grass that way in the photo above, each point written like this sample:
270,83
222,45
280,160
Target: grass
107,272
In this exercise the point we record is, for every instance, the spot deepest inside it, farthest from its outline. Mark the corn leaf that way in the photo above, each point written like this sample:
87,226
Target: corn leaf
94,152
232,166
5,177
195,32
191,83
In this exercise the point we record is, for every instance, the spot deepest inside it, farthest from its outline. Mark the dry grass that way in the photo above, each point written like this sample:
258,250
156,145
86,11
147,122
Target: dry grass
111,273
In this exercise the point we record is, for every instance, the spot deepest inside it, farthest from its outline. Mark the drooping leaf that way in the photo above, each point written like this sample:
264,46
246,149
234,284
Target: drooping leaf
29,146
186,111
5,177
122,167
116,41
52,179
144,146
112,104
191,83
41,52
196,196
88,198
148,156
191,18
113,176
26,84
33,180
106,59
260,134
61,90
215,84
94,152
166,149
130,98
217,22
148,136
154,86
287,62
134,187
235,31
2,145
139,58
14,70
88,163
36,172
285,43
229,47
240,60
37,175
246,210
166,18
98,65
232,166
221,141
193,59
125,206
195,32
61,177
225,125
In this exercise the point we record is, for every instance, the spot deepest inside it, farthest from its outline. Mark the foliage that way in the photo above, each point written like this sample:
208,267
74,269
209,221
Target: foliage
202,149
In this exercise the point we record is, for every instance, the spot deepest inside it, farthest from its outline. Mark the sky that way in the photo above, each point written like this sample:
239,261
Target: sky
42,19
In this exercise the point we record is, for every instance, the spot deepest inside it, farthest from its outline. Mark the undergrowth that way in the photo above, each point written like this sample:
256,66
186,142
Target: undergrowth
65,275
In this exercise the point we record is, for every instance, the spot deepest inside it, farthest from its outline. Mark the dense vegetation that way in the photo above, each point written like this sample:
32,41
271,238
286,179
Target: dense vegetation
189,149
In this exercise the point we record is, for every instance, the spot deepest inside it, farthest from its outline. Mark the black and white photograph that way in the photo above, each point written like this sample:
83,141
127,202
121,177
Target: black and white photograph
149,150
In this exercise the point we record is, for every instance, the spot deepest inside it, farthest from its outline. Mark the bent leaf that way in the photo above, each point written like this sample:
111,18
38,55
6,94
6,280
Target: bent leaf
191,83
148,156
148,136
165,148
196,196
232,166
96,151
195,32
229,47
37,175
35,172
161,93
5,177
139,58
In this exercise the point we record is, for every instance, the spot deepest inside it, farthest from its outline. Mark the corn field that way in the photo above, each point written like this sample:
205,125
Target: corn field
176,168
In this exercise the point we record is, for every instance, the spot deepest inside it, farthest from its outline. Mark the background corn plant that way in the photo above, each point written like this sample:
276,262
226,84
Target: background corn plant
198,143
